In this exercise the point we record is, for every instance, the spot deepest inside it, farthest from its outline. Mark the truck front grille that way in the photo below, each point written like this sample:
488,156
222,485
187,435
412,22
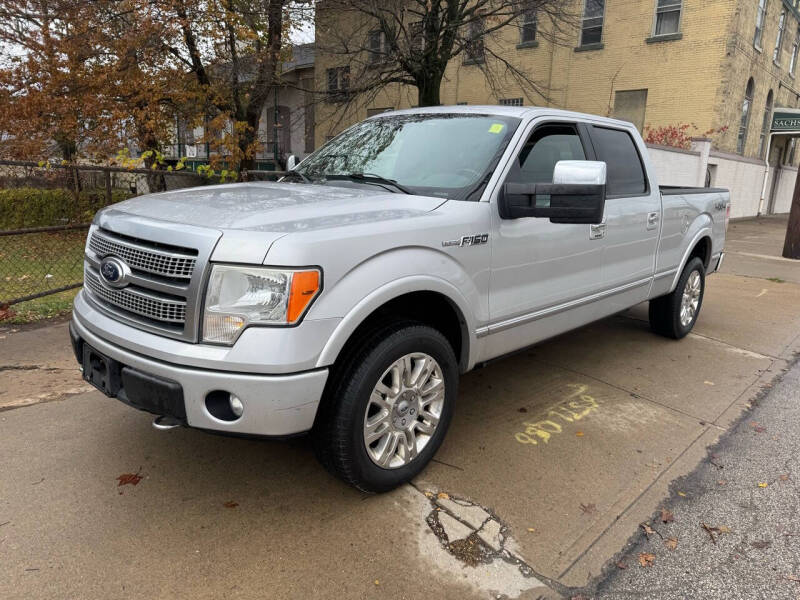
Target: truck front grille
142,303
157,259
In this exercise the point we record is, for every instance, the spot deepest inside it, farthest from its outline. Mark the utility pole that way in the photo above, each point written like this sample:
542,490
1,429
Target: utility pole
791,247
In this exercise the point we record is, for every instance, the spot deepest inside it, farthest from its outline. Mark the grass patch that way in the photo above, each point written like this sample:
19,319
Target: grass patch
776,280
37,262
48,307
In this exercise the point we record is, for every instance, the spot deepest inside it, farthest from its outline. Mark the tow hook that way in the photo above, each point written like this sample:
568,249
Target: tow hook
163,423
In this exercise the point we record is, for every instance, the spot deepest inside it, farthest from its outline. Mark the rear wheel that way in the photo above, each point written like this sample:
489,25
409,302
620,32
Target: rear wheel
675,314
389,408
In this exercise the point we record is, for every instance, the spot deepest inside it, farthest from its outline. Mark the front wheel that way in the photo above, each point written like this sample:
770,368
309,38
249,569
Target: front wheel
389,408
675,314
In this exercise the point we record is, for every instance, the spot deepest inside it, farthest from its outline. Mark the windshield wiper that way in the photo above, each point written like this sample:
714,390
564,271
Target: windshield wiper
298,174
369,178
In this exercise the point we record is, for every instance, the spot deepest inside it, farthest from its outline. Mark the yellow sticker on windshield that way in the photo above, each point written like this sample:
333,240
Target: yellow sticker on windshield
496,128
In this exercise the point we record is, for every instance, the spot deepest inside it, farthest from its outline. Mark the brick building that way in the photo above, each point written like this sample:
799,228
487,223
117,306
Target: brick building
711,64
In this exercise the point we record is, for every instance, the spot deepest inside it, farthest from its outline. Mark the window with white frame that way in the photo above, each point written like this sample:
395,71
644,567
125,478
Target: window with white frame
668,17
527,27
776,54
741,139
592,22
376,45
761,14
510,101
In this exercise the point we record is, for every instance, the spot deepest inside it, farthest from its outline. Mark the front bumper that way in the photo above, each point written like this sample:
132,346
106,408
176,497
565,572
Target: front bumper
274,405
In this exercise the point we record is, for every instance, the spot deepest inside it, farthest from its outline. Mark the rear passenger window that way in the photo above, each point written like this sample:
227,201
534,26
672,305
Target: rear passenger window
625,173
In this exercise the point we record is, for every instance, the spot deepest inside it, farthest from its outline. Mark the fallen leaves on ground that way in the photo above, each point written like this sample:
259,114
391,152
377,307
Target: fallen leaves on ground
621,565
646,559
667,516
578,434
794,578
443,496
230,504
682,494
761,544
709,382
784,477
671,543
129,479
377,582
531,530
648,531
711,530
589,509
757,427
722,482
762,484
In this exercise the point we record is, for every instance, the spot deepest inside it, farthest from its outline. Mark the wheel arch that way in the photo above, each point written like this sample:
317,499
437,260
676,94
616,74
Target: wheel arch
700,245
424,299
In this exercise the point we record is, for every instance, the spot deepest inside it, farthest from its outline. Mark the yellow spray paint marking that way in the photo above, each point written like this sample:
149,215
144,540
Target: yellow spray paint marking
573,408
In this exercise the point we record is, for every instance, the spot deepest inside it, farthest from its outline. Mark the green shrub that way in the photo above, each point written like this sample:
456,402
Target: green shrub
31,207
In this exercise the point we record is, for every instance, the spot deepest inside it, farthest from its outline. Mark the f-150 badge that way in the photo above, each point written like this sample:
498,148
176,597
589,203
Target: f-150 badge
468,240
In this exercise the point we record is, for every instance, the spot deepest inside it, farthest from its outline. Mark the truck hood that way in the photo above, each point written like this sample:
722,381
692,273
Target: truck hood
277,207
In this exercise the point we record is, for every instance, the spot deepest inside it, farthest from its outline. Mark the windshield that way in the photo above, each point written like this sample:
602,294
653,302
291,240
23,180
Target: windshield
448,155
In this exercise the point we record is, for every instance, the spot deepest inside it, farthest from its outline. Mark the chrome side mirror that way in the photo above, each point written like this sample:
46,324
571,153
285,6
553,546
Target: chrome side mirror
580,172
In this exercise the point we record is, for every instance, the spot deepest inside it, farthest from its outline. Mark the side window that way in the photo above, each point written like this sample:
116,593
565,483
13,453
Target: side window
625,172
546,146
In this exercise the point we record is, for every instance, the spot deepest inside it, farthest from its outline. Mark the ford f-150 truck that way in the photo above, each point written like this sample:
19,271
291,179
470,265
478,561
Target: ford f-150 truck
346,299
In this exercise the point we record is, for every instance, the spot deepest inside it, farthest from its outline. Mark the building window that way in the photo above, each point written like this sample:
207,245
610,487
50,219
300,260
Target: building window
592,23
761,15
416,37
338,82
776,54
795,48
741,140
474,46
630,105
527,28
668,17
510,101
377,47
765,125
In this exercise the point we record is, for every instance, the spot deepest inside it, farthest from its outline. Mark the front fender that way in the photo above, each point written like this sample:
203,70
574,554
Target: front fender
393,274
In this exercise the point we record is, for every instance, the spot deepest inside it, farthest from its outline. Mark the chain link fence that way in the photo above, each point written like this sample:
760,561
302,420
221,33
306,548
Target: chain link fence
45,212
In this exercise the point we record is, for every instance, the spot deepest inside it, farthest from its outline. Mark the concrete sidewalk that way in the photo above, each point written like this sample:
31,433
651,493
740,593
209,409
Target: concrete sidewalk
553,459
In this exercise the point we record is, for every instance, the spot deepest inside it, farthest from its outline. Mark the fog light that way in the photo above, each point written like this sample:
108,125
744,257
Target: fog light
237,407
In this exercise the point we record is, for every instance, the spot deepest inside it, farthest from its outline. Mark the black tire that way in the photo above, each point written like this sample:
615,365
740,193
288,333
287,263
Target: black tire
665,311
338,434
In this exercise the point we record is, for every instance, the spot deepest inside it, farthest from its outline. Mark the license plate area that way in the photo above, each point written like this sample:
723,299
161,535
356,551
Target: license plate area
101,371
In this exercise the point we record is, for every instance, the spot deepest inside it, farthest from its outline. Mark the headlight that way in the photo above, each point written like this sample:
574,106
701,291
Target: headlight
242,296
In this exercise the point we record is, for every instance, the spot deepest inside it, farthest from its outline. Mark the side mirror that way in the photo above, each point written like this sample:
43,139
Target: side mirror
577,195
291,162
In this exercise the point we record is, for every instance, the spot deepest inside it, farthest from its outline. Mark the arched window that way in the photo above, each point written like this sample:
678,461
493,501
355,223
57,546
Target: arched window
748,102
765,125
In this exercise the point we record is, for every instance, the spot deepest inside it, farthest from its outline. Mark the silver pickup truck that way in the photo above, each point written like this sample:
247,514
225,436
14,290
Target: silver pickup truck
346,299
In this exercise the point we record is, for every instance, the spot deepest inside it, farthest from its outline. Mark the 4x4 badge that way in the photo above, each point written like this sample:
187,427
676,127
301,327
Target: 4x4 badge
468,240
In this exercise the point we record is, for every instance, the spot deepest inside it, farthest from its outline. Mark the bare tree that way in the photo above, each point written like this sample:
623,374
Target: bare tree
411,42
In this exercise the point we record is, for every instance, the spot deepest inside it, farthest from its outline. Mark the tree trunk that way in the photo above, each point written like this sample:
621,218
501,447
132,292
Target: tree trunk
791,247
428,87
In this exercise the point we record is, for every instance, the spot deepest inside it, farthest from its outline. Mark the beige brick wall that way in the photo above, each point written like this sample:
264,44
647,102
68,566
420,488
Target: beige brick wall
698,79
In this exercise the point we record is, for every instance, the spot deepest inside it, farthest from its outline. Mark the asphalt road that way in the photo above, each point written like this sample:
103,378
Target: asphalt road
747,493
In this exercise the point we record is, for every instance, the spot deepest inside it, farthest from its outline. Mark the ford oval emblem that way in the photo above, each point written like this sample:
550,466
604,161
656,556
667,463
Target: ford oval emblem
114,272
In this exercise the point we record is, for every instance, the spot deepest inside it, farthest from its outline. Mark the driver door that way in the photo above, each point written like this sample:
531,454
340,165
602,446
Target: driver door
541,272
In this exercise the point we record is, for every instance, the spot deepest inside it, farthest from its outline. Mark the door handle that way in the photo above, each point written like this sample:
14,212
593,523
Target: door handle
598,231
652,220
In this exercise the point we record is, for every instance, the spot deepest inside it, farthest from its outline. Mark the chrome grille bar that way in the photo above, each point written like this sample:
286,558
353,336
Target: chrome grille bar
138,302
158,261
